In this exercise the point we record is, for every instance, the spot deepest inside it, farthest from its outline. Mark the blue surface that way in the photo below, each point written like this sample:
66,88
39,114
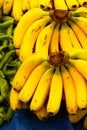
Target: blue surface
23,120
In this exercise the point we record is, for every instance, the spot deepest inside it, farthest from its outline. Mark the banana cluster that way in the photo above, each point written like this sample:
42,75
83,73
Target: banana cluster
52,47
11,7
38,32
39,85
17,10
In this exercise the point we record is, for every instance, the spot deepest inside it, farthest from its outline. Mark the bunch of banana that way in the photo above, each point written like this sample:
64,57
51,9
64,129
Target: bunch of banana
39,83
11,7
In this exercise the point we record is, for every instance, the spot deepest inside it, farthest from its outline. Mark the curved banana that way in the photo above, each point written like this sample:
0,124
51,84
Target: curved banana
69,91
78,54
14,102
43,40
55,94
42,90
60,4
81,36
42,113
30,37
32,81
81,22
72,4
78,116
80,65
17,11
45,4
34,4
82,2
25,5
68,39
27,19
80,85
81,11
25,69
1,3
7,6
54,43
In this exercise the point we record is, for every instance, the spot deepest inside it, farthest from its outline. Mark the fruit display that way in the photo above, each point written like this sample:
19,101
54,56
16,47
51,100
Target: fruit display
49,41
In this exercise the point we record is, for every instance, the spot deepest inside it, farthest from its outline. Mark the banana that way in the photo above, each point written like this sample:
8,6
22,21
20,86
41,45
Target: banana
60,5
72,4
25,5
68,39
14,102
64,38
69,91
26,20
1,3
42,114
54,43
17,11
78,54
45,4
34,4
32,81
42,90
82,2
81,36
25,69
81,22
78,116
81,11
85,123
43,40
31,35
55,94
80,85
80,65
7,6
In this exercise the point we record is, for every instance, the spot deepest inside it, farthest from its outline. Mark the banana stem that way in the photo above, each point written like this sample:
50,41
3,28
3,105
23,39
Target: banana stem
58,58
60,16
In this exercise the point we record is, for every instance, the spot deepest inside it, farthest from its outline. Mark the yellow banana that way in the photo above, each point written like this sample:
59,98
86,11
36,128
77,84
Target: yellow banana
17,11
82,2
80,85
25,69
42,114
54,43
72,4
14,102
45,4
81,11
31,35
1,3
80,65
7,6
60,4
34,4
78,54
32,81
78,116
81,36
27,19
55,94
65,41
69,91
42,90
43,40
81,22
25,5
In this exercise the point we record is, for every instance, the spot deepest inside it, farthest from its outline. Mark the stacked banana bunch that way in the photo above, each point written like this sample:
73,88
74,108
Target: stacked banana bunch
17,10
52,47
